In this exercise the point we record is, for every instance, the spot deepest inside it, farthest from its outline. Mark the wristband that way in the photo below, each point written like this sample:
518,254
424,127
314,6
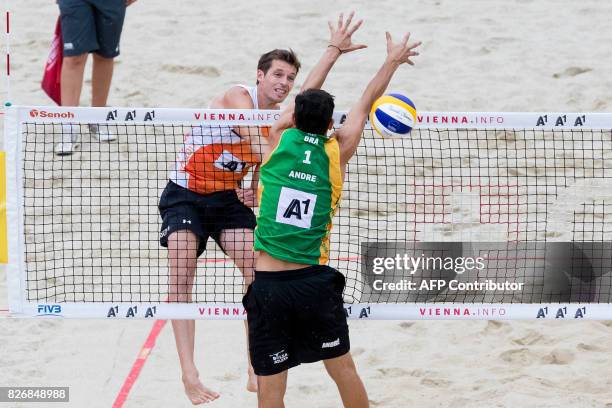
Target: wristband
336,47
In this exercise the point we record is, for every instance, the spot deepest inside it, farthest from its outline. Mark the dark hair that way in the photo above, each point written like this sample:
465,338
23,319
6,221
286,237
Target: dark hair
288,56
313,111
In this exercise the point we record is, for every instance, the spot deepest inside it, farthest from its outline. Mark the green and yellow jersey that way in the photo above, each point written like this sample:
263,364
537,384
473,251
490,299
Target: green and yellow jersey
299,189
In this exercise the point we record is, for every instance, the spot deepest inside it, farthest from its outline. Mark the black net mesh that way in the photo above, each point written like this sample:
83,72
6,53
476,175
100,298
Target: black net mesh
92,224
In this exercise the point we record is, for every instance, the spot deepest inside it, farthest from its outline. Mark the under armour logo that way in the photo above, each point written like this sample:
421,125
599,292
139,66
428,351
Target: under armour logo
186,221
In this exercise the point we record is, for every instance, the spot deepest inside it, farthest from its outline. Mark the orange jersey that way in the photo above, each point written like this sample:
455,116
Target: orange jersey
213,159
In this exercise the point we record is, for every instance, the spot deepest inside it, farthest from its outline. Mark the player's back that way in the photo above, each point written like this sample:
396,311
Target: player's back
299,190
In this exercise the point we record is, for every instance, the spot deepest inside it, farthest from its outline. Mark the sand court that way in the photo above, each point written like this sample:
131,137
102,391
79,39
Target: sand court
476,56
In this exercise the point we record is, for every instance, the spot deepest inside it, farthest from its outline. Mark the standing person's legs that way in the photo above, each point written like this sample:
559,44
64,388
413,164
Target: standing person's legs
71,85
344,373
73,69
238,244
109,16
101,76
79,38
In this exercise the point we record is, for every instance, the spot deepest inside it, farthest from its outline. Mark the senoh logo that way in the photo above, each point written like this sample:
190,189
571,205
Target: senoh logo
35,113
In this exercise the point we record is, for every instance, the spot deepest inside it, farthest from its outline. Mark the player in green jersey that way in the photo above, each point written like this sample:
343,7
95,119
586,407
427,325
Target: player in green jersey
295,306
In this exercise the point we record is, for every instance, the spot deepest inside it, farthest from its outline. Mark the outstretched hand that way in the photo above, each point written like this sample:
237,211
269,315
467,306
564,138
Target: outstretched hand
340,36
401,52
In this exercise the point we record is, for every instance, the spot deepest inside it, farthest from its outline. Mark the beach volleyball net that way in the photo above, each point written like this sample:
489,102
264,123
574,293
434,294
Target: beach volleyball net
473,216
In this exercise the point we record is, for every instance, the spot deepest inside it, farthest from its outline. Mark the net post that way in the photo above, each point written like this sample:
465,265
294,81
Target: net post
15,268
3,230
8,49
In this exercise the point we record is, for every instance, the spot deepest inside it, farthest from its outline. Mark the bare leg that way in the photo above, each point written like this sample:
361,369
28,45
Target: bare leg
182,256
252,378
271,390
71,86
72,79
238,244
342,370
101,76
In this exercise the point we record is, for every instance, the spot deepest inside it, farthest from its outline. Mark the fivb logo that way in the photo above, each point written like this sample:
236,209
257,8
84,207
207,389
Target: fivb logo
35,113
279,357
49,310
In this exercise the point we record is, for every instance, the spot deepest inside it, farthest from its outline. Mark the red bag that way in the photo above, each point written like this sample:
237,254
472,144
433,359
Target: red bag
53,69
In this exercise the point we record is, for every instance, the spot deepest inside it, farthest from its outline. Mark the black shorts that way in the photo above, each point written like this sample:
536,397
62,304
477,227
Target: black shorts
204,215
91,26
295,317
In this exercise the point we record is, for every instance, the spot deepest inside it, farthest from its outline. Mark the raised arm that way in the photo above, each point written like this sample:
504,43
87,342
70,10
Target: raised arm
350,134
340,42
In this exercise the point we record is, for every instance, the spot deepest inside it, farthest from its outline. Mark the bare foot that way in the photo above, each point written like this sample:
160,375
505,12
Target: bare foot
252,381
197,392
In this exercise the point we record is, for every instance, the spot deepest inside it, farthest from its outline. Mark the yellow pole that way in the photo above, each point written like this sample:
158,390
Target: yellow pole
3,232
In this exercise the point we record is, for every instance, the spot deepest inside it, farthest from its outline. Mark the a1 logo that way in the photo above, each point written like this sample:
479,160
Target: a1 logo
227,161
295,207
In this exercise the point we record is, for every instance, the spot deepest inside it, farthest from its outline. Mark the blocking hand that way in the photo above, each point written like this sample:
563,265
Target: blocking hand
340,36
401,52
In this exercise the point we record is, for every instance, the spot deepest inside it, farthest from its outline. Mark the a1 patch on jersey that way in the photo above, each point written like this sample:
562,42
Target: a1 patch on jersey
227,161
295,207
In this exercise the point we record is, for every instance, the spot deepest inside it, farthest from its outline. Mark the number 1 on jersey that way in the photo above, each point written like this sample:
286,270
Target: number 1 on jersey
307,159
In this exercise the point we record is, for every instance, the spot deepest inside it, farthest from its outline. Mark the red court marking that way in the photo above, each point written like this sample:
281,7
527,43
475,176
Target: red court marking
145,350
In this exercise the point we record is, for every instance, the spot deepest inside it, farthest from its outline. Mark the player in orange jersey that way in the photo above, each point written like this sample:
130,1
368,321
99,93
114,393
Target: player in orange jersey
203,199
205,196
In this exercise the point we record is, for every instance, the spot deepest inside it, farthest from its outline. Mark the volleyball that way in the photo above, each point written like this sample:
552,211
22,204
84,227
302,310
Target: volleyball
393,115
